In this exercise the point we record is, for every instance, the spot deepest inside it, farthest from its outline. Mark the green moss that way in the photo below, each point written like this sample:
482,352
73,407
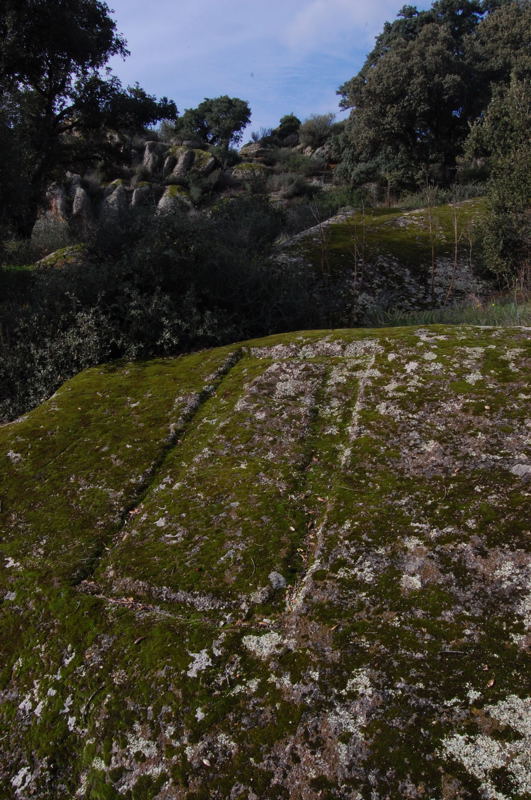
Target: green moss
249,169
72,254
404,235
177,191
202,157
115,183
145,507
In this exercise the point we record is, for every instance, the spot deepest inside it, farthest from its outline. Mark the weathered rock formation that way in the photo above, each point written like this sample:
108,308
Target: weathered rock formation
160,168
292,568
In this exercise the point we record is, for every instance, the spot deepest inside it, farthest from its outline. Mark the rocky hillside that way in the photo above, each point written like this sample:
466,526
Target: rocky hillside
163,177
396,259
291,568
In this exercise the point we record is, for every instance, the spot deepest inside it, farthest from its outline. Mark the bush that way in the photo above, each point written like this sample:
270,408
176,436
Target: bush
303,214
157,286
440,196
289,161
261,133
316,129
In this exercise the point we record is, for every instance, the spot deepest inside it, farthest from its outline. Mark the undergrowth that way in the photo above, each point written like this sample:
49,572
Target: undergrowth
504,311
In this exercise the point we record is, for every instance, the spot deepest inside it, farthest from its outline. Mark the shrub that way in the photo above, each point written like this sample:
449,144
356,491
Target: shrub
315,130
261,133
158,286
289,161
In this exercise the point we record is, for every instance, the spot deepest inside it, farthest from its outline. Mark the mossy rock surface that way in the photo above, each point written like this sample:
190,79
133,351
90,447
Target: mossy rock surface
249,169
398,258
72,255
413,237
291,568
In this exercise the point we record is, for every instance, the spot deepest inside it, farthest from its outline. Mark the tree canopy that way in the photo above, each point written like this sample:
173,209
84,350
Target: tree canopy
427,79
56,102
501,136
218,121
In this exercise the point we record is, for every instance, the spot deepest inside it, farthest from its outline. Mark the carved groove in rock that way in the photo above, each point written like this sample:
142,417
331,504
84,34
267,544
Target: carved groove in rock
323,591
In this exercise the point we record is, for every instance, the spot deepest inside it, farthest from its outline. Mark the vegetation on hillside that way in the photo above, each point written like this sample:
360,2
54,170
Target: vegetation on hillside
58,109
439,115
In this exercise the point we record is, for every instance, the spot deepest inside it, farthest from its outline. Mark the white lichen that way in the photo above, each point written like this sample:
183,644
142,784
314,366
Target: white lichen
481,755
410,583
263,646
360,682
200,662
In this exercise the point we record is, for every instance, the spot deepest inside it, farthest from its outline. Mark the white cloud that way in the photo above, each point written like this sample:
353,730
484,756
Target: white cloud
322,22
281,56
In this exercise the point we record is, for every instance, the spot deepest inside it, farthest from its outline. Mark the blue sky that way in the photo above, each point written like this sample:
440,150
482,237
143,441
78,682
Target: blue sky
281,56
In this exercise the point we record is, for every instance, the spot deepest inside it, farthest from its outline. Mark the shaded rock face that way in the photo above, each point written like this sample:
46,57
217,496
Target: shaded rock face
292,568
174,198
255,151
249,170
69,205
154,153
82,211
142,196
58,203
395,259
184,162
115,203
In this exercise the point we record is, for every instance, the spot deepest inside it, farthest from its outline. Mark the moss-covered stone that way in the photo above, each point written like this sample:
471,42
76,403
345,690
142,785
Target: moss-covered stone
73,255
292,568
175,191
398,259
248,170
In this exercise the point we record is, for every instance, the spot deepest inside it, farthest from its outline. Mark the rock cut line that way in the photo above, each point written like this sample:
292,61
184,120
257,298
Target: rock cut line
296,600
177,432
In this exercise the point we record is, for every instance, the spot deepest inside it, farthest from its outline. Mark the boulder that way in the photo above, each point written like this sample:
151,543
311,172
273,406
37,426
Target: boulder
58,206
75,255
255,151
185,159
296,567
248,170
175,198
204,163
115,202
82,211
142,196
169,165
153,156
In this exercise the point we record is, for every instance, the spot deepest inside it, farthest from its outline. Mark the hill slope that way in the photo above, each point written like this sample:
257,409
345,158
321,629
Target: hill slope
397,259
292,568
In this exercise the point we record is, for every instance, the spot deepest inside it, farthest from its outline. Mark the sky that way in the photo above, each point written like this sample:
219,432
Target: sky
281,56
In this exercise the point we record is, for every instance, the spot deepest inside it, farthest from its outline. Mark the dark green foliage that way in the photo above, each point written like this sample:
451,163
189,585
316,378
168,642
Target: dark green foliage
288,126
56,109
289,160
216,121
426,80
502,137
502,42
154,286
51,44
315,130
287,129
